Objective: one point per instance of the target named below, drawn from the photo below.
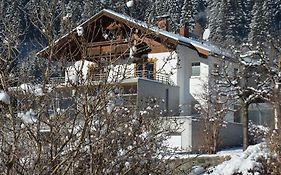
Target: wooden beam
(155, 46)
(202, 52)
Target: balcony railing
(163, 78)
(145, 74)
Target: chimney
(162, 22)
(198, 31)
(183, 31)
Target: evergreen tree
(139, 9)
(227, 24)
(91, 7)
(213, 17)
(157, 9)
(173, 8)
(261, 23)
(11, 34)
(247, 6)
(276, 19)
(188, 12)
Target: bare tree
(271, 66)
(216, 103)
(245, 83)
(10, 40)
(69, 115)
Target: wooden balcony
(115, 48)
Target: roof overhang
(170, 39)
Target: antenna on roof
(206, 34)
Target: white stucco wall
(117, 72)
(183, 135)
(190, 86)
(166, 64)
(191, 135)
(167, 95)
(120, 72)
(78, 71)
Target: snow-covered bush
(246, 163)
(4, 97)
(257, 133)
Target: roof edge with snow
(202, 47)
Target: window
(237, 114)
(195, 69)
(145, 70)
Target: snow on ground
(230, 152)
(241, 163)
(4, 97)
(226, 152)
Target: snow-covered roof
(181, 39)
(210, 48)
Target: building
(147, 61)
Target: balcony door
(146, 69)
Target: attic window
(195, 69)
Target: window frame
(142, 66)
(195, 65)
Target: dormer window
(195, 70)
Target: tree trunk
(276, 107)
(215, 141)
(276, 115)
(245, 121)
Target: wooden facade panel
(108, 49)
(123, 31)
(94, 51)
(105, 49)
(155, 46)
(121, 48)
(158, 49)
(202, 52)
